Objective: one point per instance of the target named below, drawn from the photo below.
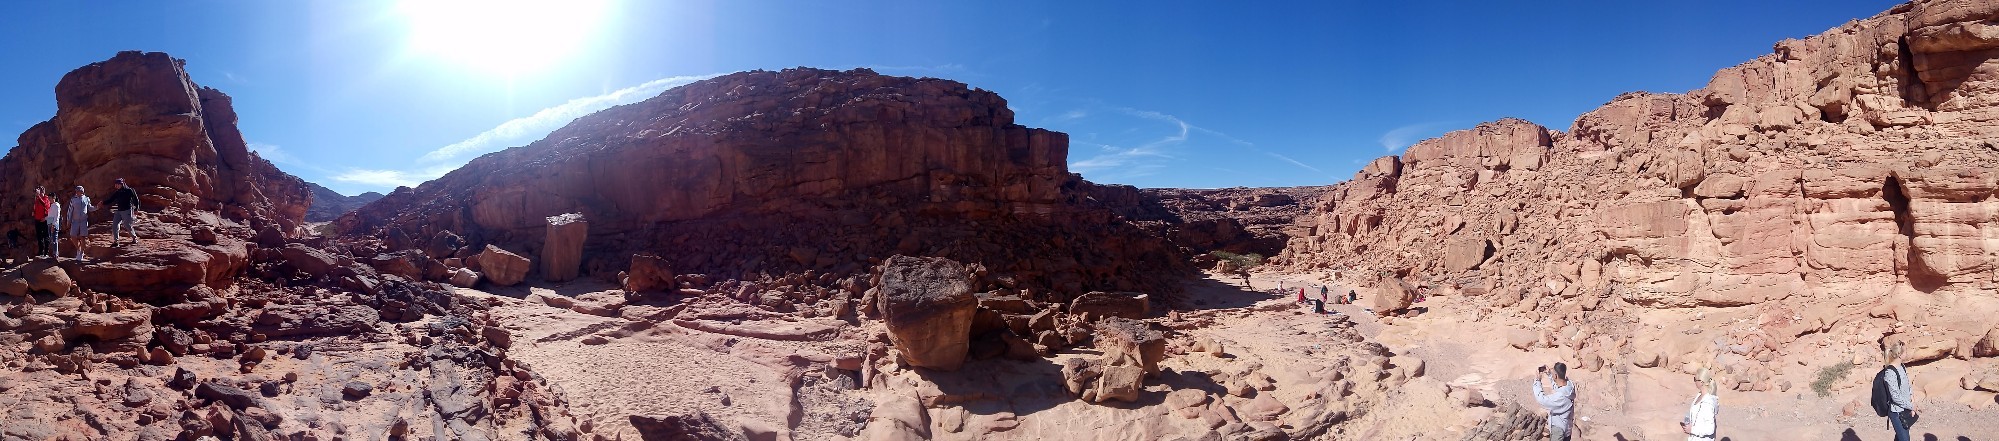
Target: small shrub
(1830, 375)
(1238, 264)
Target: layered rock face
(796, 171)
(137, 116)
(1812, 194)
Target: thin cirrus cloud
(523, 130)
(1402, 137)
(517, 131)
(1116, 162)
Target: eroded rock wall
(795, 171)
(1814, 193)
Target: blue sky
(362, 95)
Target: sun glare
(510, 37)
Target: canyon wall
(795, 171)
(1805, 204)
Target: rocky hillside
(220, 322)
(328, 205)
(803, 171)
(1237, 220)
(1799, 208)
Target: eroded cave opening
(1919, 275)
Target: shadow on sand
(1208, 293)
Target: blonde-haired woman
(1699, 422)
(1901, 406)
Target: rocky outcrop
(1820, 193)
(802, 170)
(95, 348)
(927, 304)
(328, 205)
(139, 117)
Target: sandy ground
(610, 368)
(1653, 400)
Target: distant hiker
(1699, 422)
(1301, 296)
(1318, 306)
(1352, 296)
(1892, 392)
(122, 202)
(1322, 293)
(1555, 393)
(41, 214)
(79, 220)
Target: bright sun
(510, 37)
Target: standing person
(1555, 393)
(54, 220)
(79, 220)
(42, 202)
(1699, 422)
(1894, 378)
(123, 202)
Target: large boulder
(1391, 294)
(927, 303)
(502, 267)
(562, 251)
(1131, 350)
(1099, 304)
(648, 273)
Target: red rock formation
(198, 284)
(795, 171)
(138, 116)
(1845, 172)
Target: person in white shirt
(1699, 422)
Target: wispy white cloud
(1402, 137)
(273, 153)
(1146, 159)
(392, 178)
(523, 130)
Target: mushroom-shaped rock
(928, 305)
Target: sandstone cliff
(137, 116)
(1799, 207)
(796, 171)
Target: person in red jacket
(42, 202)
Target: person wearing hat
(79, 220)
(122, 203)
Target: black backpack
(1881, 399)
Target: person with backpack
(1699, 422)
(1554, 392)
(1892, 391)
